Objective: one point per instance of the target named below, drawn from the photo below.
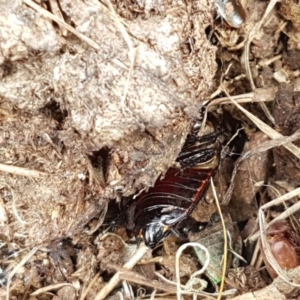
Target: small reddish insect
(283, 247)
(157, 213)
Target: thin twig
(116, 278)
(57, 12)
(86, 291)
(224, 236)
(255, 254)
(61, 22)
(140, 280)
(21, 171)
(17, 267)
(245, 55)
(249, 39)
(264, 127)
(52, 287)
(259, 95)
(291, 210)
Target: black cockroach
(156, 213)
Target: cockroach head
(153, 233)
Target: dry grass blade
(17, 267)
(250, 37)
(292, 148)
(21, 171)
(256, 259)
(57, 12)
(142, 281)
(61, 22)
(245, 56)
(86, 291)
(225, 239)
(264, 127)
(285, 214)
(259, 95)
(52, 287)
(116, 278)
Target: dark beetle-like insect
(157, 213)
